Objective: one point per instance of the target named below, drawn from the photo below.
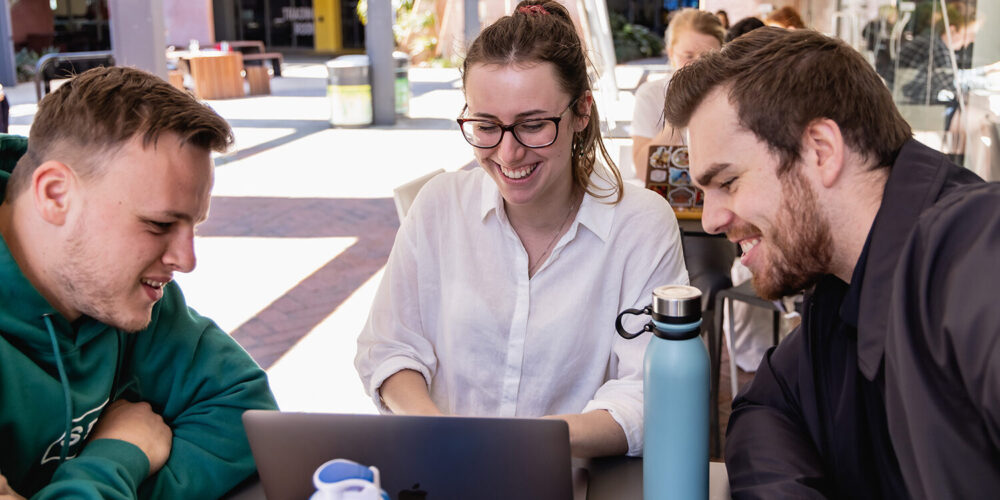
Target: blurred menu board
(668, 175)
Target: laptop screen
(417, 457)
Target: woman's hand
(594, 434)
(406, 393)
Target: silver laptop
(433, 458)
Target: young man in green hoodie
(110, 386)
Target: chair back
(404, 195)
(61, 65)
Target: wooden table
(216, 75)
(609, 478)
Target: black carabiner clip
(621, 329)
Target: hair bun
(533, 9)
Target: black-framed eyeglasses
(530, 133)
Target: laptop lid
(419, 457)
(669, 175)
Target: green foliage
(26, 59)
(633, 41)
(413, 31)
(361, 9)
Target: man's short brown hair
(100, 110)
(782, 80)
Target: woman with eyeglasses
(690, 34)
(501, 291)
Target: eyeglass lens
(532, 133)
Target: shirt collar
(849, 309)
(596, 214)
(915, 182)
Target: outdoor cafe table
(215, 74)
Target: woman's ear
(51, 186)
(583, 106)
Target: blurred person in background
(786, 17)
(877, 34)
(723, 18)
(934, 81)
(745, 25)
(690, 34)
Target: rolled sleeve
(388, 368)
(393, 337)
(622, 394)
(622, 398)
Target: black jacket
(890, 388)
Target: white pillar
(138, 35)
(471, 9)
(379, 44)
(8, 73)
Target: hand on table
(6, 493)
(138, 424)
(594, 434)
(405, 393)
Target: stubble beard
(801, 244)
(85, 290)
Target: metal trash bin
(401, 62)
(349, 88)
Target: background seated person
(931, 52)
(691, 33)
(890, 388)
(786, 17)
(110, 386)
(743, 26)
(502, 288)
(935, 81)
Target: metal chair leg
(732, 352)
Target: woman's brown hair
(543, 31)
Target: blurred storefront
(60, 25)
(328, 26)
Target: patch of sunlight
(248, 137)
(317, 374)
(236, 278)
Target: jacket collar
(22, 307)
(915, 182)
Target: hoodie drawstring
(65, 386)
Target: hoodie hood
(21, 306)
(11, 149)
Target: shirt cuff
(628, 418)
(390, 367)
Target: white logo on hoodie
(78, 434)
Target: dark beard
(804, 247)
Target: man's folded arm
(201, 382)
(769, 452)
(106, 469)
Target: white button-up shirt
(456, 305)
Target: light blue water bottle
(675, 388)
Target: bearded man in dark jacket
(890, 388)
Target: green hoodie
(193, 374)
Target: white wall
(188, 19)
